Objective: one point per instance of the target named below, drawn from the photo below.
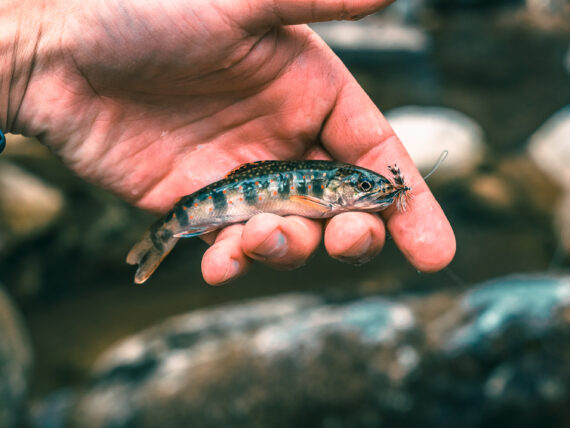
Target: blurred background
(485, 342)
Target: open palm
(154, 100)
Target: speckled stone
(497, 354)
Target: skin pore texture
(154, 100)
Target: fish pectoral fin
(312, 202)
(194, 231)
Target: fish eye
(365, 185)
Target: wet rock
(549, 147)
(532, 304)
(497, 355)
(428, 131)
(15, 364)
(281, 360)
(28, 205)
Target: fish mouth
(377, 199)
(380, 200)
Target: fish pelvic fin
(312, 202)
(147, 255)
(194, 231)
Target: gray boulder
(270, 361)
(495, 355)
(428, 131)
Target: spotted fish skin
(310, 188)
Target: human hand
(154, 100)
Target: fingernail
(357, 17)
(358, 253)
(232, 269)
(275, 246)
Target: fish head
(365, 190)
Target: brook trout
(309, 188)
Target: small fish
(310, 188)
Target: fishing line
(454, 277)
(439, 161)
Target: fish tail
(147, 254)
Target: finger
(225, 260)
(355, 237)
(356, 132)
(285, 242)
(316, 152)
(290, 12)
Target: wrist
(21, 25)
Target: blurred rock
(500, 358)
(494, 193)
(470, 4)
(532, 303)
(428, 131)
(58, 231)
(15, 364)
(374, 39)
(562, 222)
(547, 16)
(28, 205)
(547, 6)
(530, 189)
(280, 360)
(497, 356)
(18, 145)
(549, 147)
(52, 411)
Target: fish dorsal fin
(248, 166)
